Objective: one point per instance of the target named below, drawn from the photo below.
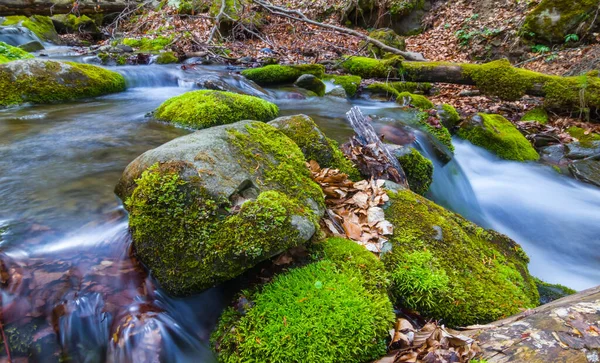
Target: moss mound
(418, 101)
(70, 23)
(167, 58)
(148, 44)
(580, 134)
(394, 89)
(41, 26)
(498, 135)
(39, 81)
(418, 170)
(323, 312)
(277, 74)
(537, 114)
(314, 144)
(448, 268)
(371, 68)
(206, 108)
(350, 84)
(9, 53)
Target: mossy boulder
(498, 135)
(41, 26)
(314, 144)
(32, 46)
(418, 101)
(311, 83)
(167, 58)
(448, 268)
(418, 170)
(38, 81)
(371, 68)
(403, 16)
(552, 20)
(350, 84)
(537, 114)
(148, 44)
(433, 127)
(205, 207)
(207, 108)
(334, 310)
(386, 36)
(279, 74)
(9, 53)
(448, 116)
(70, 23)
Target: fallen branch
(215, 27)
(299, 16)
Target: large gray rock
(207, 206)
(587, 171)
(311, 83)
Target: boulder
(314, 144)
(587, 171)
(498, 135)
(448, 268)
(41, 26)
(71, 23)
(39, 81)
(340, 301)
(418, 170)
(278, 74)
(214, 82)
(9, 53)
(32, 46)
(205, 207)
(350, 84)
(311, 83)
(206, 108)
(167, 58)
(338, 92)
(386, 36)
(582, 150)
(565, 330)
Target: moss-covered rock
(148, 44)
(419, 101)
(9, 53)
(448, 268)
(550, 292)
(314, 144)
(311, 83)
(41, 26)
(498, 135)
(388, 37)
(585, 139)
(371, 68)
(167, 58)
(403, 16)
(206, 108)
(448, 115)
(70, 23)
(350, 84)
(205, 207)
(278, 74)
(38, 81)
(552, 20)
(537, 114)
(437, 130)
(418, 170)
(328, 311)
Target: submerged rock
(311, 83)
(207, 206)
(448, 268)
(38, 81)
(498, 135)
(206, 108)
(334, 310)
(278, 74)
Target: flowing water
(64, 240)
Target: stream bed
(63, 229)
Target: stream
(63, 229)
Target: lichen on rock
(206, 108)
(278, 74)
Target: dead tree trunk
(51, 7)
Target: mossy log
(562, 94)
(51, 7)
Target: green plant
(574, 38)
(539, 48)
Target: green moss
(206, 108)
(448, 268)
(21, 339)
(316, 146)
(49, 82)
(147, 44)
(404, 7)
(499, 78)
(418, 170)
(277, 74)
(387, 37)
(9, 53)
(585, 139)
(550, 292)
(371, 68)
(121, 60)
(418, 101)
(41, 26)
(75, 23)
(166, 58)
(449, 115)
(537, 114)
(317, 313)
(440, 132)
(395, 88)
(350, 84)
(500, 136)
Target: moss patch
(387, 37)
(500, 136)
(41, 26)
(206, 108)
(418, 170)
(9, 53)
(449, 116)
(440, 132)
(418, 101)
(580, 134)
(537, 114)
(350, 84)
(449, 268)
(371, 68)
(278, 74)
(48, 81)
(393, 89)
(317, 313)
(148, 44)
(74, 23)
(166, 58)
(550, 292)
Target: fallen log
(51, 7)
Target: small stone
(375, 215)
